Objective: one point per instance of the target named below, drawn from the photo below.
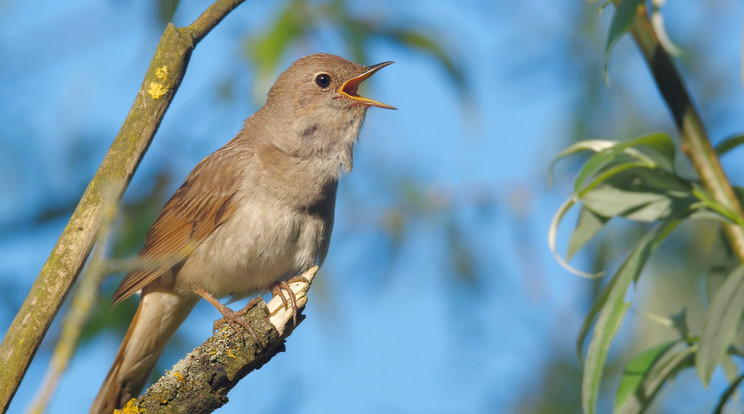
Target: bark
(199, 383)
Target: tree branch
(161, 82)
(199, 383)
(695, 142)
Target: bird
(249, 216)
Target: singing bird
(251, 215)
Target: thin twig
(82, 302)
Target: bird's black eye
(323, 80)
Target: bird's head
(324, 81)
(317, 99)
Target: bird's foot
(299, 278)
(232, 318)
(276, 290)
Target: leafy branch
(637, 180)
(695, 142)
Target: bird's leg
(276, 289)
(248, 306)
(232, 318)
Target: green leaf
(646, 374)
(641, 193)
(659, 142)
(636, 370)
(730, 369)
(662, 155)
(596, 163)
(621, 21)
(552, 233)
(590, 316)
(609, 172)
(612, 308)
(729, 143)
(594, 145)
(607, 326)
(720, 324)
(727, 394)
(601, 301)
(587, 226)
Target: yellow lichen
(131, 407)
(162, 73)
(156, 90)
(178, 376)
(230, 354)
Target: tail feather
(158, 316)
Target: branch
(161, 82)
(695, 142)
(199, 383)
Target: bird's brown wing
(203, 202)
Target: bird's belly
(255, 248)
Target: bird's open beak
(350, 87)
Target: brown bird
(251, 215)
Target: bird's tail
(158, 316)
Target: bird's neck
(322, 142)
(295, 181)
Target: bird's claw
(276, 290)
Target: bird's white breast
(262, 243)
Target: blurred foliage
(637, 180)
(415, 209)
(300, 19)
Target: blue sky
(388, 334)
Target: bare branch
(66, 260)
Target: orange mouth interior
(350, 88)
